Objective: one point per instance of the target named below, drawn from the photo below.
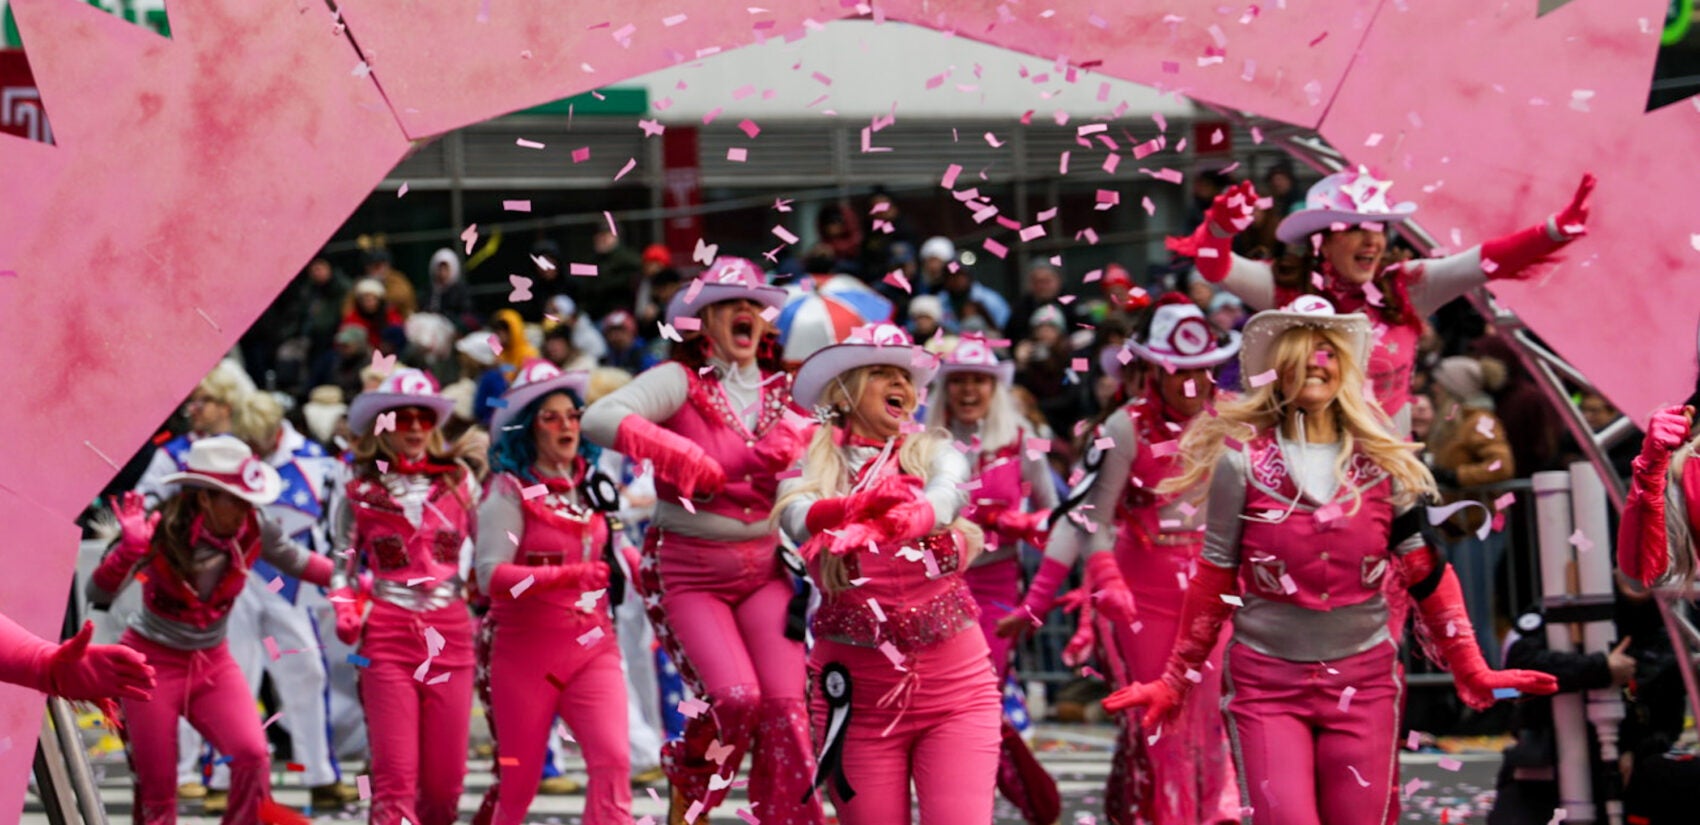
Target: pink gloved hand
(1516, 255)
(677, 459)
(584, 576)
(1229, 214)
(1041, 594)
(863, 505)
(1160, 699)
(1449, 630)
(1643, 550)
(348, 605)
(78, 670)
(1110, 595)
(1078, 651)
(1202, 613)
(137, 526)
(1572, 220)
(1028, 527)
(133, 517)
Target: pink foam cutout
(193, 177)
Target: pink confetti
(1346, 695)
(271, 648)
(750, 128)
(276, 584)
(363, 784)
(398, 193)
(590, 637)
(686, 503)
(1362, 782)
(516, 206)
(893, 655)
(470, 237)
(631, 163)
(692, 708)
(784, 234)
(950, 174)
(1263, 378)
(522, 586)
(1449, 764)
(581, 154)
(527, 144)
(995, 248)
(737, 154)
(1031, 232)
(1413, 741)
(1581, 542)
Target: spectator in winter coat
(625, 349)
(450, 296)
(398, 288)
(369, 310)
(1044, 287)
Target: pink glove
(77, 670)
(863, 505)
(1642, 546)
(907, 521)
(1109, 590)
(1028, 527)
(1229, 214)
(1514, 255)
(584, 576)
(778, 451)
(1041, 595)
(1449, 630)
(677, 459)
(1078, 651)
(137, 526)
(74, 669)
(349, 606)
(1202, 613)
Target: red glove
(778, 451)
(907, 521)
(862, 505)
(1109, 590)
(137, 525)
(1514, 254)
(583, 576)
(677, 459)
(349, 606)
(1642, 547)
(1202, 613)
(1041, 594)
(1028, 527)
(1229, 214)
(1450, 632)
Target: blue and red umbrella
(822, 312)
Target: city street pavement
(1077, 755)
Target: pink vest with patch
(394, 548)
(1318, 558)
(555, 534)
(168, 596)
(707, 419)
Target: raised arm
(292, 558)
(1651, 538)
(628, 422)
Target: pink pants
(1306, 755)
(996, 587)
(721, 616)
(417, 730)
(945, 737)
(1186, 776)
(206, 687)
(537, 671)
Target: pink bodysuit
(408, 530)
(924, 703)
(548, 648)
(181, 630)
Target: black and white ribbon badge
(835, 686)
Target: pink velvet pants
(938, 728)
(1307, 752)
(1186, 776)
(207, 688)
(538, 670)
(719, 609)
(417, 728)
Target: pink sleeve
(23, 656)
(1642, 546)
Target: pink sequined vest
(555, 534)
(168, 596)
(707, 419)
(1319, 558)
(398, 551)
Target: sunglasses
(558, 420)
(409, 419)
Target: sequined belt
(437, 595)
(908, 628)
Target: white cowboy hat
(1182, 338)
(1346, 198)
(403, 388)
(1312, 311)
(535, 380)
(725, 280)
(867, 346)
(223, 462)
(973, 354)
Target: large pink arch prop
(194, 176)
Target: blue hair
(513, 450)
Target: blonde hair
(256, 419)
(226, 384)
(604, 380)
(1364, 427)
(826, 473)
(997, 429)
